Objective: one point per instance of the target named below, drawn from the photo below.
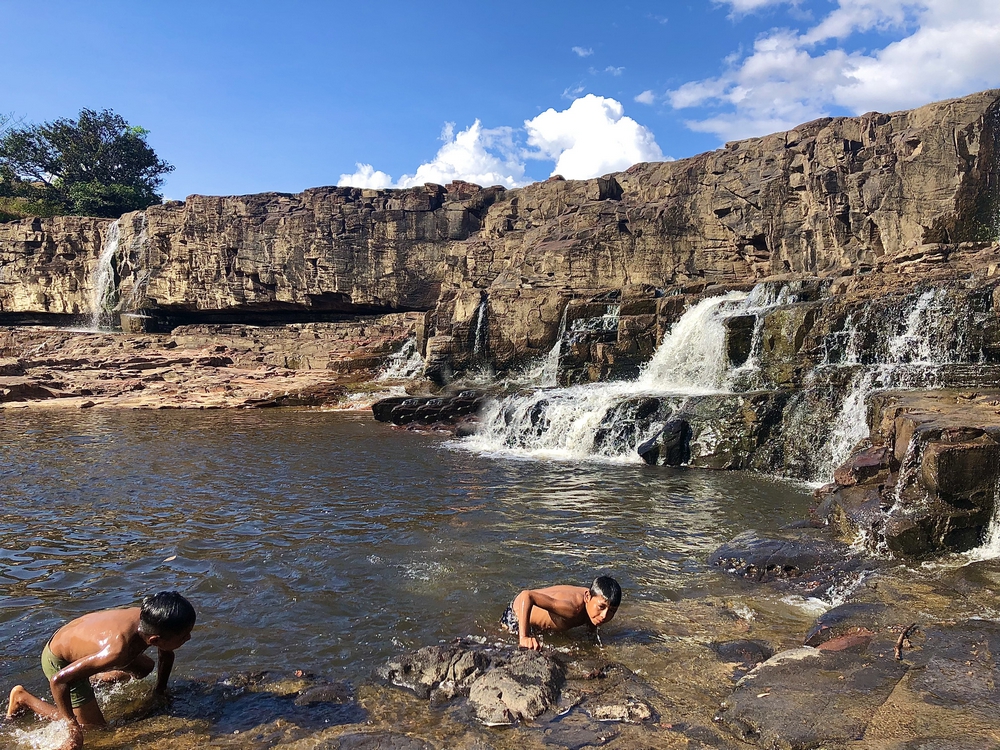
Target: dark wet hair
(608, 588)
(166, 613)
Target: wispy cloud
(741, 7)
(614, 71)
(942, 48)
(583, 51)
(646, 97)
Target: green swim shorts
(80, 691)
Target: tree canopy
(96, 165)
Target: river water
(327, 542)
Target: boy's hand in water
(530, 642)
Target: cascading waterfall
(990, 548)
(763, 297)
(479, 338)
(606, 322)
(910, 359)
(544, 372)
(564, 422)
(103, 291)
(405, 364)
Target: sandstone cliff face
(328, 250)
(46, 266)
(832, 196)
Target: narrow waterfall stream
(909, 359)
(103, 291)
(404, 364)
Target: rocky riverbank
(907, 661)
(330, 365)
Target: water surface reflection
(327, 541)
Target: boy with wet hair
(559, 608)
(105, 647)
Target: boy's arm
(523, 603)
(81, 669)
(165, 663)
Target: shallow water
(325, 541)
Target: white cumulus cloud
(485, 156)
(583, 51)
(936, 49)
(590, 138)
(646, 97)
(366, 176)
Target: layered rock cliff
(846, 224)
(834, 196)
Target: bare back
(114, 632)
(557, 608)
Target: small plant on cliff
(96, 165)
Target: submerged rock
(806, 698)
(850, 618)
(814, 565)
(743, 652)
(429, 410)
(374, 741)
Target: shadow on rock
(261, 708)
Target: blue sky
(245, 97)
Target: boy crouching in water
(107, 646)
(559, 608)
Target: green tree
(96, 165)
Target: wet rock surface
(520, 689)
(866, 697)
(503, 686)
(439, 673)
(812, 565)
(805, 697)
(441, 411)
(928, 484)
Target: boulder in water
(437, 673)
(813, 565)
(520, 690)
(671, 446)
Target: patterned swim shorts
(509, 620)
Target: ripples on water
(327, 541)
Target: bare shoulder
(111, 629)
(563, 593)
